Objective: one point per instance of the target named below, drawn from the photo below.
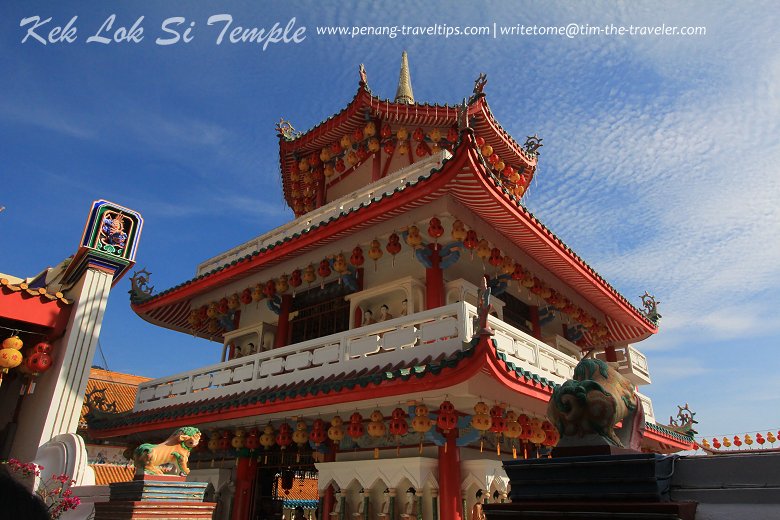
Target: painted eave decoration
(109, 241)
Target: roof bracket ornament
(97, 401)
(286, 131)
(479, 85)
(463, 115)
(651, 308)
(140, 290)
(532, 144)
(684, 422)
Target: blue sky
(659, 164)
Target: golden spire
(404, 93)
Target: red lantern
(386, 131)
(355, 428)
(38, 362)
(393, 245)
(222, 306)
(447, 419)
(295, 279)
(389, 147)
(246, 296)
(225, 441)
(435, 229)
(284, 436)
(418, 134)
(362, 153)
(340, 167)
(270, 289)
(497, 420)
(480, 141)
(452, 134)
(253, 439)
(357, 135)
(318, 433)
(335, 148)
(471, 241)
(398, 424)
(495, 258)
(357, 259)
(421, 150)
(324, 269)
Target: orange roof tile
(106, 474)
(120, 388)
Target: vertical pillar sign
(106, 251)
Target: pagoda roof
(365, 105)
(464, 176)
(118, 388)
(480, 356)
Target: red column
(449, 479)
(283, 327)
(535, 321)
(609, 353)
(245, 473)
(434, 280)
(328, 503)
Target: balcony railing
(438, 331)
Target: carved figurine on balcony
(368, 318)
(384, 313)
(410, 509)
(149, 458)
(586, 409)
(476, 512)
(404, 308)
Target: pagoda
(351, 351)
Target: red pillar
(245, 473)
(449, 479)
(283, 327)
(434, 280)
(537, 328)
(327, 503)
(609, 353)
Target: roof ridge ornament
(532, 144)
(363, 76)
(404, 92)
(463, 115)
(479, 85)
(651, 307)
(285, 130)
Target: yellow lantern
(14, 342)
(375, 251)
(373, 145)
(413, 237)
(329, 170)
(10, 358)
(239, 436)
(508, 265)
(403, 148)
(336, 430)
(487, 150)
(346, 141)
(499, 165)
(282, 284)
(325, 155)
(369, 130)
(303, 165)
(748, 439)
(309, 274)
(537, 432)
(483, 249)
(459, 231)
(435, 135)
(402, 133)
(376, 427)
(352, 158)
(481, 421)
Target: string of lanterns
(745, 441)
(497, 424)
(504, 266)
(35, 361)
(308, 173)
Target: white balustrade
(443, 330)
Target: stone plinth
(627, 485)
(155, 498)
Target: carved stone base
(155, 497)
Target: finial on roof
(363, 76)
(404, 93)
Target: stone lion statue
(148, 458)
(586, 409)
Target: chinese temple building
(348, 342)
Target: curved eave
(353, 117)
(465, 177)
